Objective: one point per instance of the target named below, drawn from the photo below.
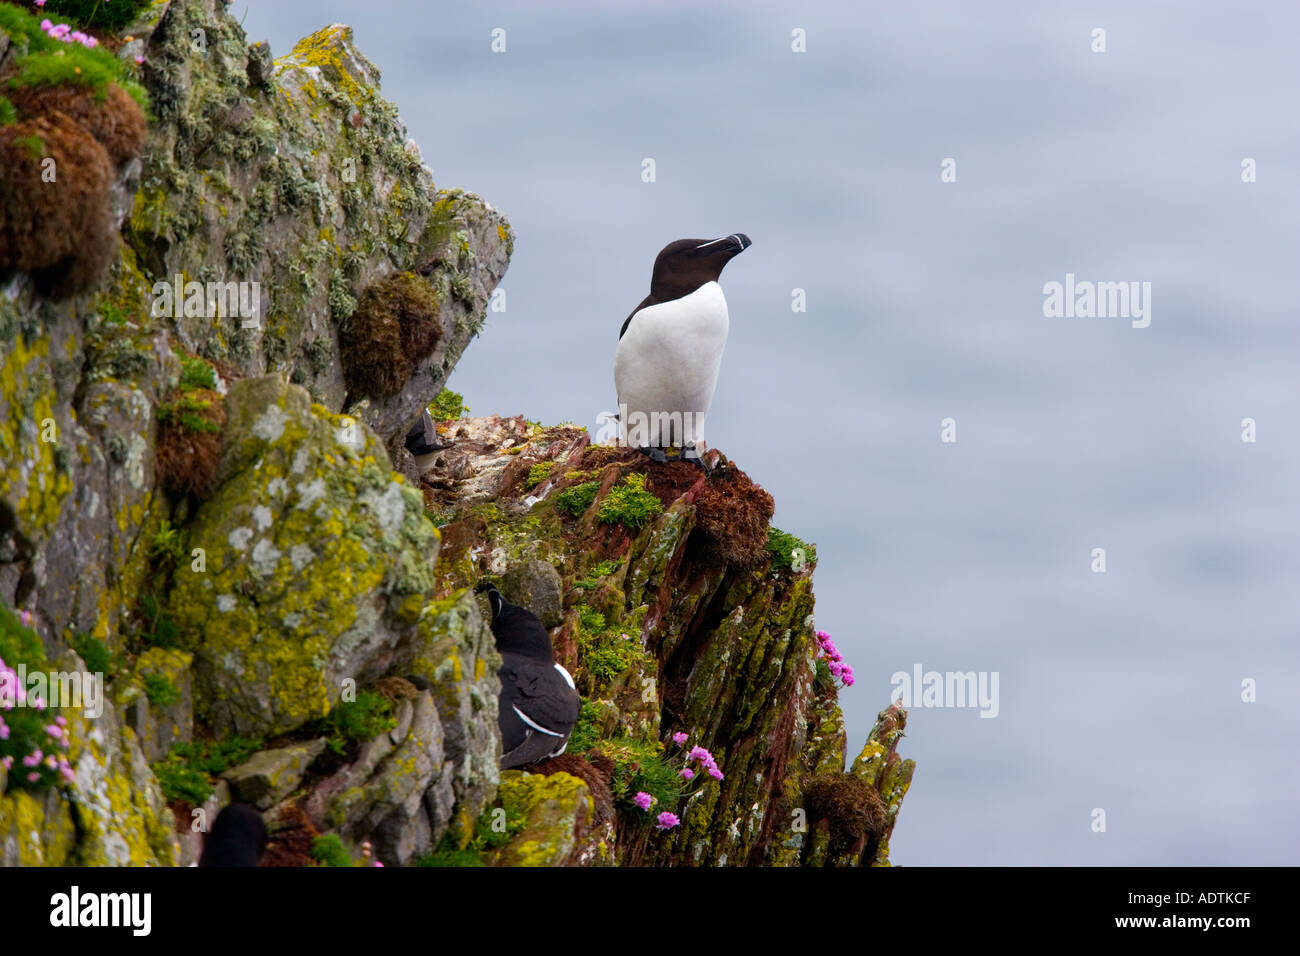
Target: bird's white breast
(668, 359)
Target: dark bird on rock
(237, 838)
(538, 704)
(423, 443)
(670, 348)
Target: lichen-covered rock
(558, 811)
(535, 585)
(293, 177)
(381, 796)
(299, 176)
(117, 805)
(317, 558)
(158, 724)
(35, 829)
(668, 626)
(269, 776)
(453, 649)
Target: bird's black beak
(741, 241)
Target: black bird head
(683, 266)
(517, 630)
(237, 838)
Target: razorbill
(538, 705)
(670, 347)
(422, 442)
(237, 838)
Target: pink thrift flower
(47, 26)
(67, 774)
(33, 758)
(667, 821)
(61, 720)
(39, 3)
(700, 754)
(33, 777)
(688, 773)
(680, 738)
(8, 762)
(55, 731)
(643, 800)
(376, 863)
(139, 60)
(715, 773)
(52, 762)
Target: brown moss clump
(111, 117)
(597, 782)
(850, 805)
(733, 514)
(393, 689)
(290, 839)
(189, 440)
(61, 232)
(395, 327)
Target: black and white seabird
(237, 838)
(670, 347)
(539, 704)
(422, 442)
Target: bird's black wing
(648, 300)
(534, 748)
(542, 697)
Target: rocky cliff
(219, 314)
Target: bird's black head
(517, 630)
(237, 838)
(683, 266)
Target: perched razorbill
(670, 347)
(538, 705)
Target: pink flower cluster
(55, 733)
(706, 764)
(834, 661)
(62, 31)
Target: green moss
(639, 766)
(167, 544)
(8, 115)
(328, 850)
(629, 504)
(160, 690)
(604, 653)
(587, 730)
(185, 412)
(538, 473)
(196, 373)
(99, 659)
(492, 830)
(105, 14)
(186, 772)
(782, 547)
(181, 782)
(447, 406)
(576, 500)
(19, 644)
(353, 722)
